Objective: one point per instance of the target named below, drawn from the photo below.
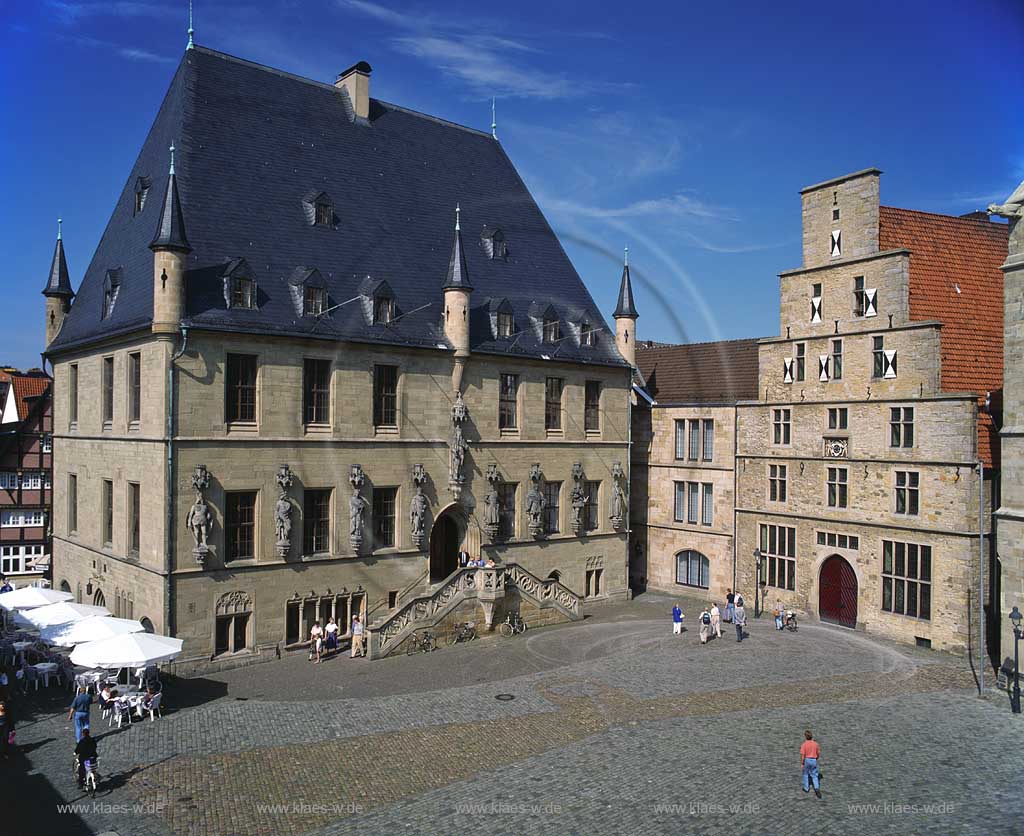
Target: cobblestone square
(614, 726)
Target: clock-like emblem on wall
(836, 448)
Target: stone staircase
(487, 586)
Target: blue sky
(683, 130)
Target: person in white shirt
(357, 638)
(316, 643)
(716, 621)
(331, 630)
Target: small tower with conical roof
(58, 290)
(457, 290)
(170, 249)
(626, 316)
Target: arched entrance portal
(837, 592)
(445, 537)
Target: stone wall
(855, 196)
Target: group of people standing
(325, 641)
(711, 618)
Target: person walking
(331, 636)
(810, 753)
(780, 614)
(730, 605)
(357, 638)
(316, 643)
(716, 621)
(677, 620)
(739, 618)
(705, 625)
(79, 712)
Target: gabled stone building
(334, 346)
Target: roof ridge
(993, 224)
(641, 347)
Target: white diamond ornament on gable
(870, 302)
(815, 309)
(824, 368)
(787, 370)
(836, 246)
(889, 364)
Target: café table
(46, 670)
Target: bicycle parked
(464, 632)
(418, 644)
(790, 621)
(92, 775)
(513, 624)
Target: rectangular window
(694, 452)
(858, 296)
(681, 439)
(508, 395)
(592, 406)
(801, 361)
(552, 493)
(837, 359)
(591, 517)
(707, 516)
(908, 493)
(107, 512)
(384, 517)
(781, 426)
(907, 579)
(594, 577)
(838, 417)
(242, 295)
(316, 391)
(588, 337)
(241, 388)
(18, 560)
(901, 426)
(240, 525)
(679, 510)
(841, 541)
(552, 331)
(709, 439)
(21, 519)
(313, 301)
(72, 503)
(778, 549)
(506, 324)
(73, 394)
(553, 403)
(507, 497)
(108, 390)
(693, 502)
(777, 482)
(385, 396)
(316, 521)
(878, 356)
(383, 310)
(837, 487)
(134, 387)
(134, 518)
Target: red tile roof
(716, 372)
(955, 278)
(25, 387)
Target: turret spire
(59, 222)
(170, 230)
(494, 120)
(625, 306)
(191, 31)
(58, 283)
(458, 274)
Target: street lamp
(1015, 619)
(757, 583)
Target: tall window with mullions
(385, 396)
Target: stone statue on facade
(199, 517)
(457, 447)
(618, 503)
(492, 503)
(1013, 207)
(535, 503)
(356, 507)
(283, 511)
(418, 507)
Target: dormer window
(142, 185)
(319, 209)
(588, 337)
(240, 288)
(383, 310)
(493, 240)
(506, 324)
(315, 298)
(324, 213)
(552, 329)
(111, 287)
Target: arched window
(98, 599)
(555, 576)
(147, 625)
(692, 569)
(65, 586)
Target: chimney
(356, 81)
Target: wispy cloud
(476, 54)
(679, 205)
(128, 53)
(69, 12)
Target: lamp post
(757, 582)
(1015, 619)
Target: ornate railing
(543, 592)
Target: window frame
(134, 519)
(681, 439)
(107, 390)
(72, 499)
(384, 510)
(239, 531)
(707, 439)
(551, 329)
(107, 513)
(780, 562)
(592, 406)
(901, 426)
(592, 510)
(314, 300)
(877, 357)
(506, 325)
(316, 527)
(508, 404)
(782, 427)
(778, 482)
(800, 358)
(134, 388)
(316, 391)
(838, 418)
(910, 490)
(693, 503)
(859, 297)
(554, 394)
(73, 395)
(679, 503)
(703, 569)
(552, 507)
(508, 493)
(385, 396)
(837, 481)
(239, 407)
(895, 577)
(243, 293)
(707, 503)
(836, 350)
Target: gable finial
(625, 257)
(59, 222)
(457, 211)
(494, 120)
(191, 31)
(172, 159)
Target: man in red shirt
(809, 754)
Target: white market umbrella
(94, 628)
(62, 613)
(132, 650)
(29, 597)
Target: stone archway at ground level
(837, 592)
(446, 537)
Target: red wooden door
(837, 592)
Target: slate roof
(947, 253)
(716, 372)
(58, 283)
(252, 142)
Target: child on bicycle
(85, 751)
